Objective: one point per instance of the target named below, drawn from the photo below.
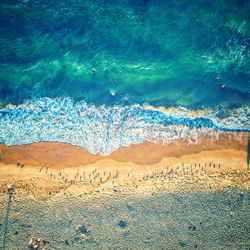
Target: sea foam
(102, 129)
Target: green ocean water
(171, 53)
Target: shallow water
(203, 220)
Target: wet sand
(62, 155)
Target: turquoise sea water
(119, 54)
(161, 52)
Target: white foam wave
(105, 129)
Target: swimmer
(112, 92)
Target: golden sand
(207, 170)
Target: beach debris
(36, 243)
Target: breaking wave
(102, 129)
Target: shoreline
(67, 155)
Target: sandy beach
(177, 192)
(46, 169)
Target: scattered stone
(182, 243)
(122, 224)
(84, 232)
(192, 228)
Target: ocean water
(79, 70)
(159, 52)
